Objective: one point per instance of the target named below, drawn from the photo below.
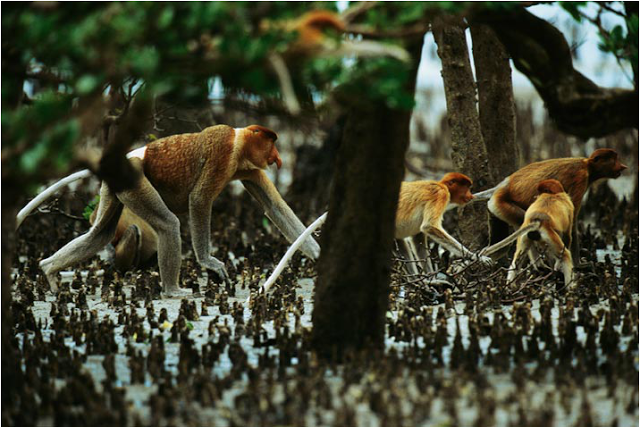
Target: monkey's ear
(603, 154)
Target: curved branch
(539, 50)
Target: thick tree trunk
(309, 191)
(496, 105)
(497, 112)
(11, 372)
(468, 150)
(352, 290)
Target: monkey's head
(312, 25)
(604, 163)
(260, 146)
(550, 186)
(459, 186)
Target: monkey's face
(604, 163)
(460, 193)
(260, 147)
(459, 186)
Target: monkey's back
(420, 201)
(174, 164)
(556, 209)
(521, 187)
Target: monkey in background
(553, 213)
(183, 173)
(509, 200)
(421, 206)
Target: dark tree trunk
(352, 290)
(312, 172)
(496, 105)
(468, 150)
(11, 372)
(354, 268)
(13, 75)
(497, 112)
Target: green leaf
(87, 84)
(88, 210)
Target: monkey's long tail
(292, 250)
(537, 218)
(40, 198)
(529, 229)
(485, 195)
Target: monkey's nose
(277, 161)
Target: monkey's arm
(200, 225)
(277, 210)
(447, 241)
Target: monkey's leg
(422, 253)
(144, 201)
(87, 245)
(504, 209)
(410, 257)
(561, 253)
(523, 245)
(128, 249)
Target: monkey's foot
(177, 293)
(52, 277)
(217, 267)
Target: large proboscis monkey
(421, 206)
(512, 197)
(185, 173)
(552, 212)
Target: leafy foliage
(69, 56)
(88, 210)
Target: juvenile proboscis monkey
(553, 213)
(512, 197)
(185, 173)
(421, 206)
(135, 242)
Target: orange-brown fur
(428, 200)
(553, 211)
(132, 252)
(183, 173)
(311, 27)
(421, 206)
(575, 174)
(513, 198)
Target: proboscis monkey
(313, 40)
(553, 213)
(421, 206)
(512, 197)
(185, 173)
(135, 242)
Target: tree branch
(539, 50)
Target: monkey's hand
(482, 259)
